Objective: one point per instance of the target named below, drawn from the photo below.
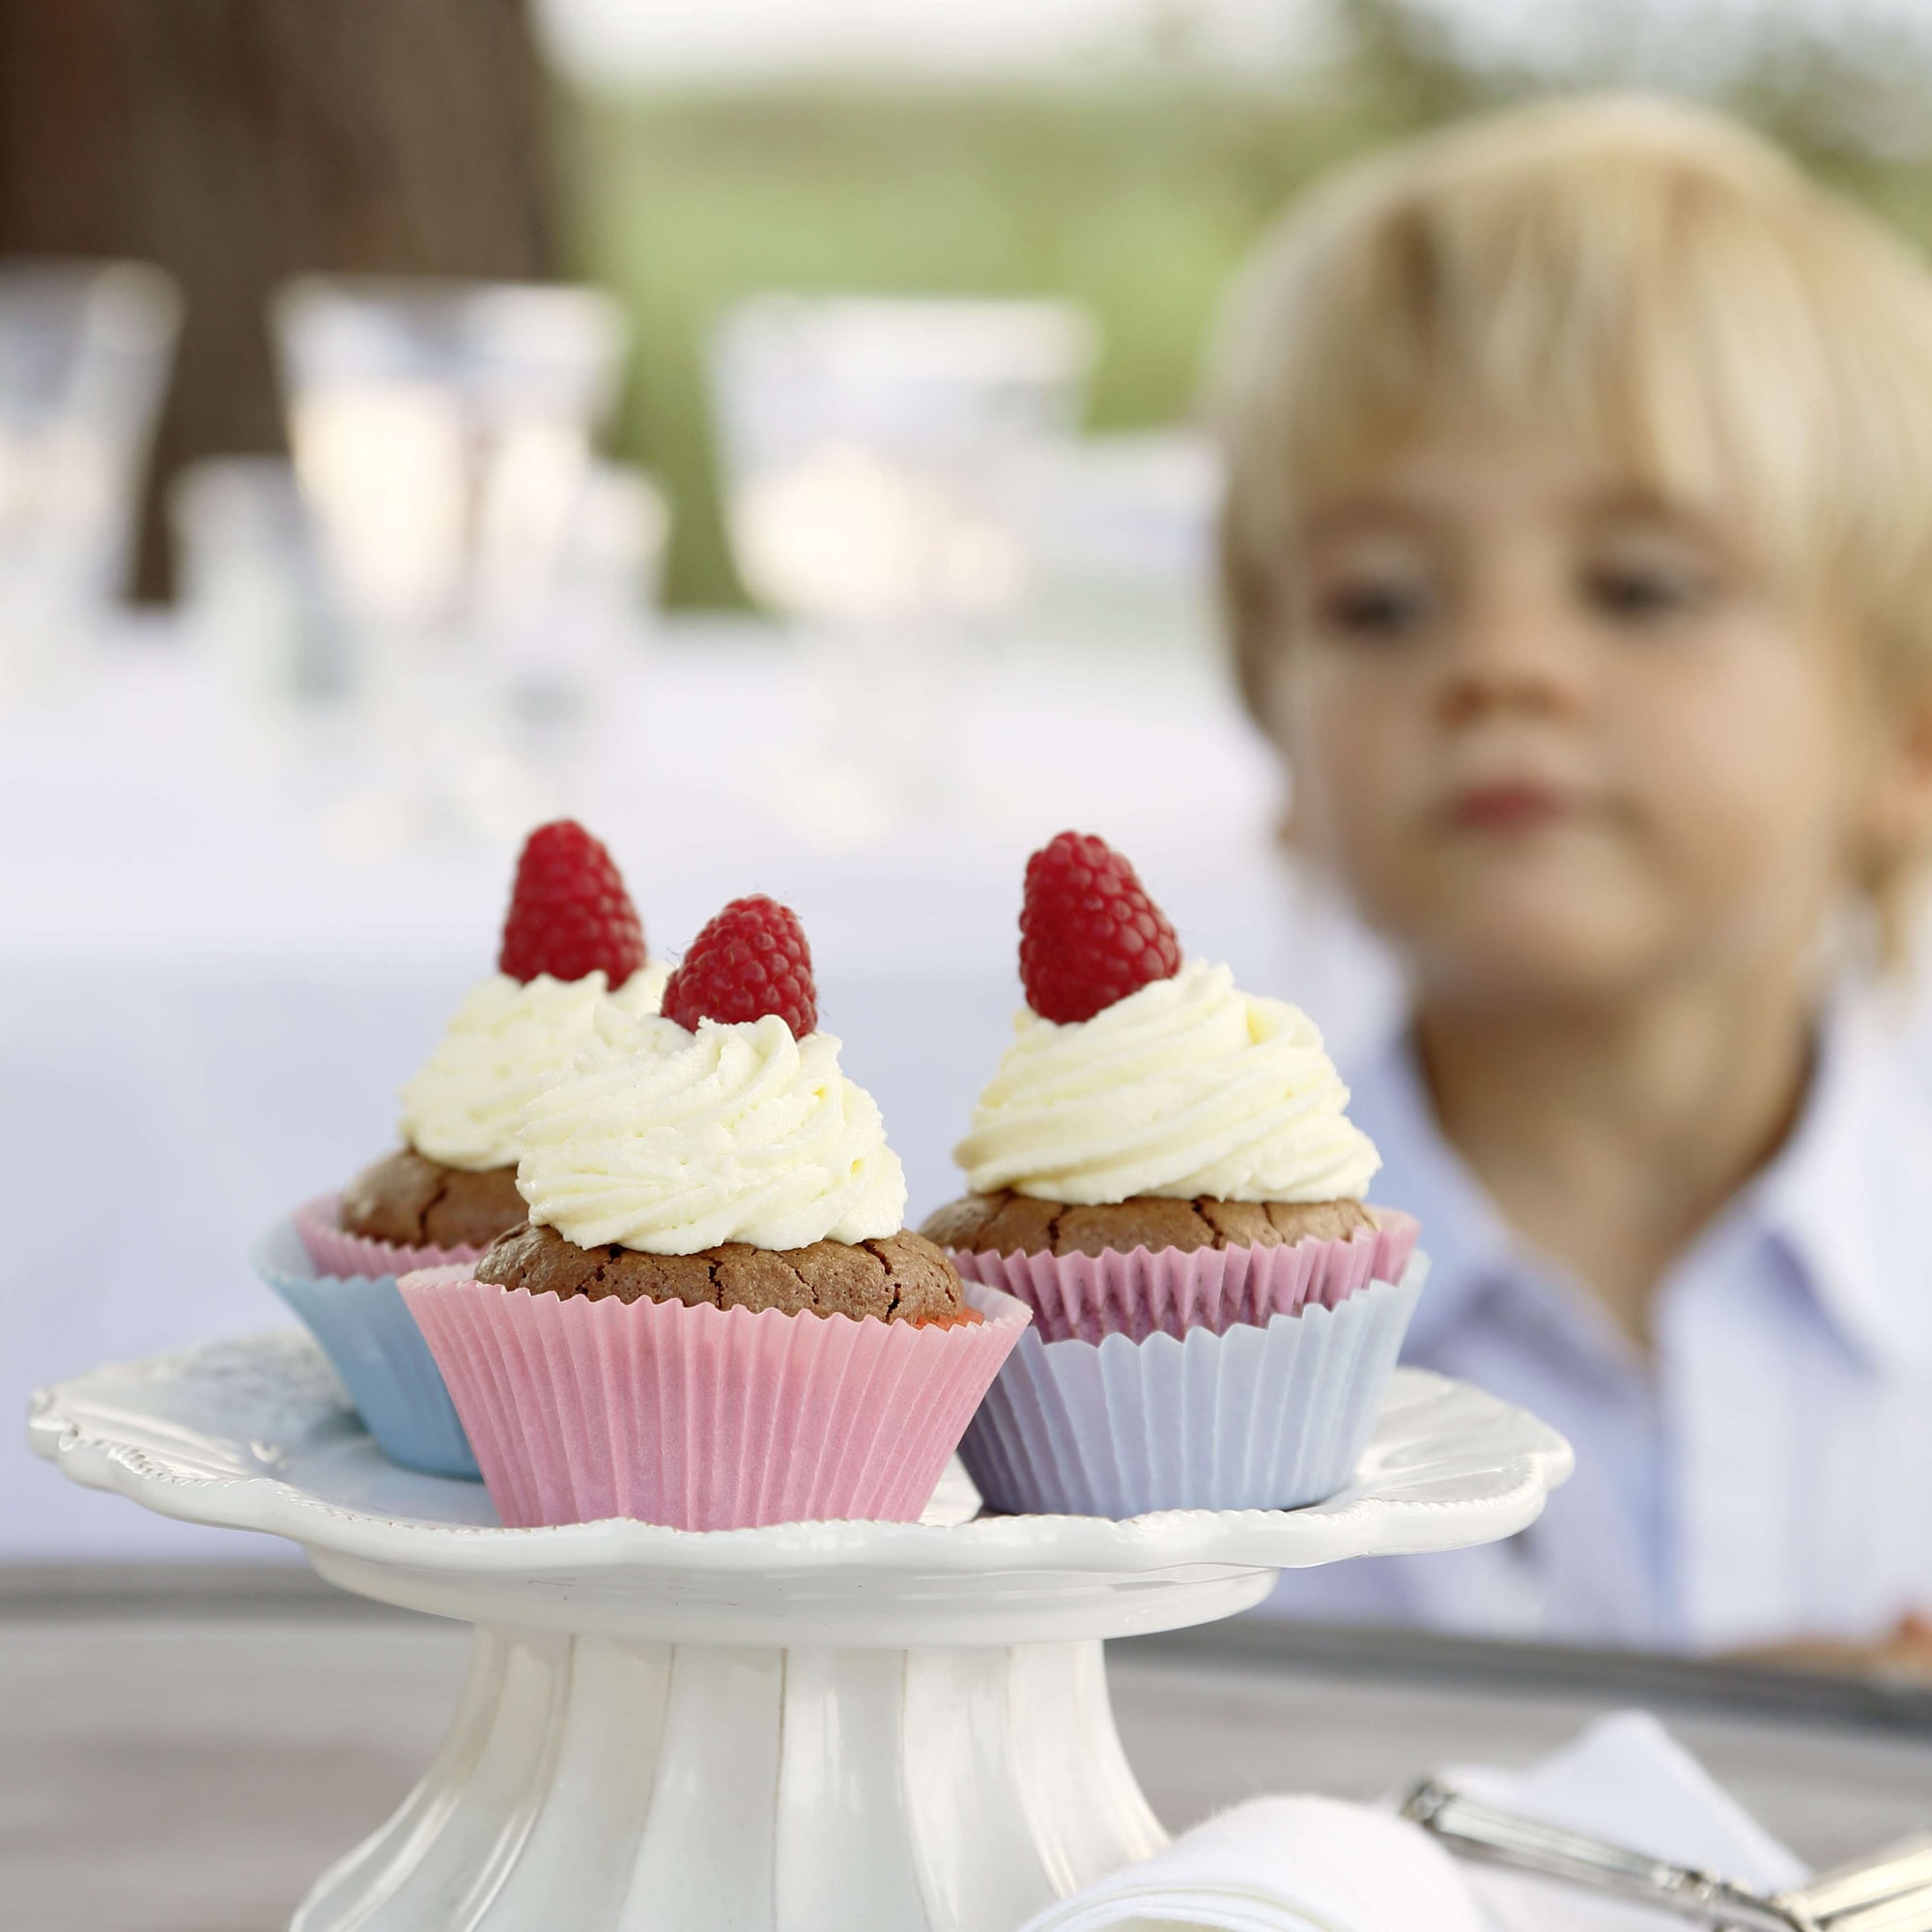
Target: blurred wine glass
(599, 610)
(872, 451)
(1123, 529)
(85, 350)
(255, 600)
(442, 434)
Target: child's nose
(1518, 654)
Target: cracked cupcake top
(901, 1278)
(1009, 1224)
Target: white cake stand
(843, 1726)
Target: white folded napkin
(1282, 1865)
(1316, 1864)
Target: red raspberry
(750, 960)
(1088, 934)
(569, 912)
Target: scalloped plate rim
(1533, 1460)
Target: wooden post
(236, 142)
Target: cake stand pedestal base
(595, 1783)
(811, 1727)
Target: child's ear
(1898, 799)
(1906, 793)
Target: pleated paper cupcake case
(1272, 1417)
(334, 1251)
(1175, 1291)
(375, 1347)
(704, 1418)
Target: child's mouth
(1509, 808)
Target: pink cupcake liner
(702, 1418)
(1171, 1291)
(335, 1252)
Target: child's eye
(1372, 608)
(1643, 594)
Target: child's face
(1558, 742)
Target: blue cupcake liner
(371, 1338)
(1253, 1418)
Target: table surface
(186, 1750)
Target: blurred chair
(85, 349)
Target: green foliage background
(1138, 199)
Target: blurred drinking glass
(85, 350)
(600, 612)
(442, 436)
(872, 450)
(255, 598)
(1123, 536)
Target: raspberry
(750, 960)
(569, 912)
(1088, 934)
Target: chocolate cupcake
(571, 942)
(1163, 1166)
(715, 1316)
(447, 1194)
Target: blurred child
(1579, 555)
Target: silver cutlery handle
(1478, 1830)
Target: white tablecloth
(206, 1007)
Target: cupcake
(571, 938)
(715, 1316)
(1163, 1169)
(572, 943)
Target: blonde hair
(1632, 276)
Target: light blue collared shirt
(1768, 1473)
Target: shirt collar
(1468, 1244)
(1843, 1198)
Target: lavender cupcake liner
(1255, 1418)
(372, 1342)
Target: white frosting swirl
(507, 1042)
(671, 1141)
(1186, 1086)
